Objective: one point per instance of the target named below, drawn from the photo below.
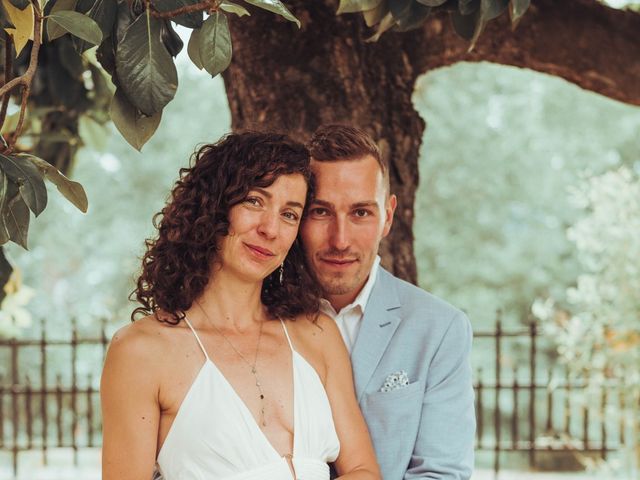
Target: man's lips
(260, 251)
(338, 262)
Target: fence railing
(43, 409)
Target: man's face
(346, 221)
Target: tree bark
(286, 79)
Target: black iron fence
(43, 408)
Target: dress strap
(287, 334)
(197, 338)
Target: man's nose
(268, 226)
(339, 235)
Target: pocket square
(395, 381)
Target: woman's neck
(229, 303)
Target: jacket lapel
(378, 326)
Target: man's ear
(389, 209)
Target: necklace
(252, 366)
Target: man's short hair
(331, 143)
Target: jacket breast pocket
(393, 419)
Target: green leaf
(21, 4)
(230, 7)
(517, 10)
(78, 24)
(4, 186)
(408, 14)
(464, 25)
(145, 69)
(496, 8)
(170, 38)
(193, 48)
(215, 44)
(467, 7)
(482, 17)
(190, 20)
(135, 127)
(375, 15)
(29, 181)
(432, 3)
(351, 6)
(104, 13)
(53, 29)
(16, 216)
(385, 24)
(276, 6)
(72, 191)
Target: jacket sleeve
(445, 440)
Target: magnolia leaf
(464, 25)
(53, 29)
(72, 191)
(517, 10)
(193, 48)
(351, 6)
(189, 20)
(4, 186)
(496, 8)
(385, 24)
(375, 15)
(215, 44)
(104, 13)
(413, 18)
(15, 214)
(21, 4)
(467, 7)
(23, 24)
(482, 17)
(135, 127)
(432, 3)
(145, 69)
(29, 180)
(170, 38)
(276, 6)
(78, 24)
(233, 8)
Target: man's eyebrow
(366, 204)
(267, 194)
(322, 203)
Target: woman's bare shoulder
(318, 331)
(140, 339)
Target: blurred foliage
(498, 159)
(596, 323)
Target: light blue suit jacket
(426, 429)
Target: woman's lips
(259, 252)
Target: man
(409, 349)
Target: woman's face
(263, 227)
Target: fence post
(43, 389)
(532, 395)
(497, 416)
(14, 402)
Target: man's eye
(319, 212)
(361, 213)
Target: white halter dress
(214, 436)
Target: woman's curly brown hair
(177, 264)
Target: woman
(232, 374)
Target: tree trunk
(286, 79)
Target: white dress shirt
(349, 318)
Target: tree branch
(25, 79)
(8, 70)
(583, 41)
(209, 5)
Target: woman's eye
(291, 216)
(252, 201)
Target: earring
(281, 273)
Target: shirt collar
(362, 298)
